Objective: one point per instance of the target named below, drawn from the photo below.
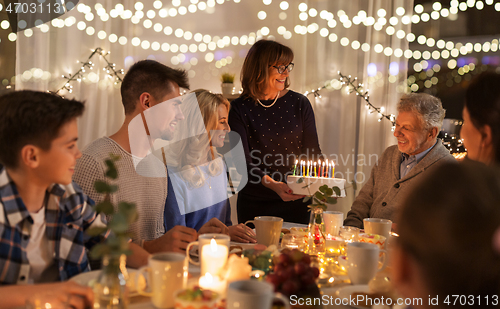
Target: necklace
(266, 106)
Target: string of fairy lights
(451, 141)
(354, 86)
(204, 42)
(110, 69)
(400, 17)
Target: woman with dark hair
(481, 128)
(481, 115)
(276, 126)
(445, 243)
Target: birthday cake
(309, 185)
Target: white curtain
(345, 129)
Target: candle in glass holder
(334, 245)
(257, 274)
(237, 268)
(213, 283)
(213, 258)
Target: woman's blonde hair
(189, 152)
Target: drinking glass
(292, 241)
(349, 233)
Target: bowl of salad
(196, 298)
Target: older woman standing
(276, 126)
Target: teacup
(251, 294)
(378, 226)
(363, 261)
(268, 229)
(167, 274)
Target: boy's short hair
(149, 76)
(32, 117)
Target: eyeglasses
(281, 69)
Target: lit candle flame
(208, 277)
(213, 245)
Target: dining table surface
(329, 293)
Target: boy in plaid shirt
(43, 214)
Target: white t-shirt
(40, 253)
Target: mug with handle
(268, 229)
(363, 261)
(165, 274)
(251, 294)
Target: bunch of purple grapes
(292, 272)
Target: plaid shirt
(68, 214)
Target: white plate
(347, 291)
(87, 279)
(245, 246)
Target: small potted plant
(111, 288)
(227, 85)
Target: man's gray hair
(429, 108)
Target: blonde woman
(197, 186)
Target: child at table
(43, 215)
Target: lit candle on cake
(213, 257)
(303, 168)
(295, 167)
(315, 175)
(308, 163)
(333, 169)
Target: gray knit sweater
(384, 192)
(148, 193)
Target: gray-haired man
(419, 120)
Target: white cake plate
(309, 185)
